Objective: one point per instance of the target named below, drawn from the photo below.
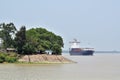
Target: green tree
(6, 34)
(20, 40)
(56, 49)
(28, 48)
(43, 40)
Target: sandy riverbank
(44, 58)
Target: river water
(97, 67)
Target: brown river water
(97, 67)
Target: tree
(20, 40)
(6, 34)
(56, 49)
(43, 40)
(28, 48)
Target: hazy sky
(94, 22)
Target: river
(97, 67)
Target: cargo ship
(76, 50)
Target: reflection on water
(97, 67)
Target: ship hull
(81, 52)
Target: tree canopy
(42, 40)
(6, 34)
(20, 40)
(35, 40)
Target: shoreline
(43, 59)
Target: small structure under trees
(11, 50)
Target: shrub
(10, 58)
(2, 57)
(1, 60)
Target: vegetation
(40, 39)
(20, 40)
(9, 57)
(32, 41)
(7, 32)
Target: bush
(1, 60)
(2, 57)
(10, 58)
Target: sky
(93, 22)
